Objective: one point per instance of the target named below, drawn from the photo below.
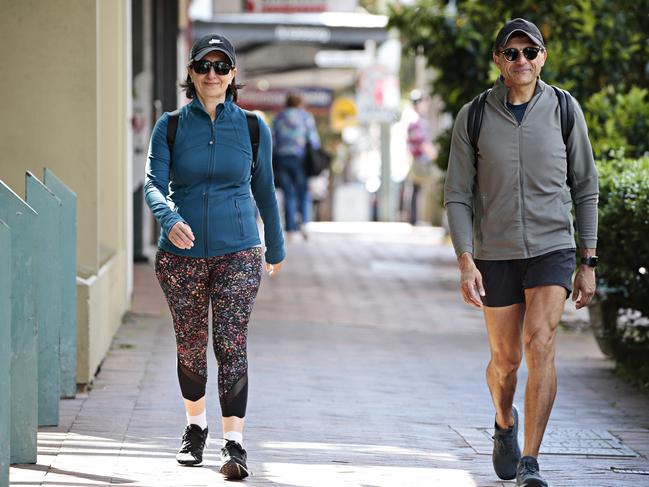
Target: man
(509, 211)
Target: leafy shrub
(623, 242)
(618, 120)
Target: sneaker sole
(534, 483)
(189, 463)
(233, 470)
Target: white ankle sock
(234, 436)
(200, 420)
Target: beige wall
(65, 89)
(49, 102)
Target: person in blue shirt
(203, 191)
(293, 128)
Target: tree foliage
(618, 120)
(624, 224)
(592, 44)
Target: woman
(293, 128)
(209, 249)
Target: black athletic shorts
(505, 281)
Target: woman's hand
(273, 269)
(181, 236)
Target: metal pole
(385, 193)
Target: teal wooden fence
(21, 218)
(67, 282)
(5, 352)
(47, 296)
(38, 321)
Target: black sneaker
(194, 442)
(506, 452)
(233, 461)
(527, 474)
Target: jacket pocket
(246, 217)
(220, 225)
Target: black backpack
(476, 111)
(253, 129)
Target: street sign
(343, 59)
(343, 114)
(377, 94)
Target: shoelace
(191, 440)
(506, 440)
(234, 447)
(529, 467)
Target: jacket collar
(227, 105)
(500, 89)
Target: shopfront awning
(281, 48)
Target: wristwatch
(590, 261)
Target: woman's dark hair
(190, 89)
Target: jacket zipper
(520, 176)
(206, 225)
(522, 191)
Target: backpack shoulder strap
(253, 130)
(172, 128)
(567, 109)
(474, 122)
(567, 114)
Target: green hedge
(618, 119)
(623, 240)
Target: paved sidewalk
(366, 369)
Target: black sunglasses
(220, 67)
(511, 53)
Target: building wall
(66, 105)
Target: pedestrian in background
(294, 128)
(509, 211)
(201, 192)
(421, 149)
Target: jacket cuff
(588, 243)
(275, 255)
(171, 221)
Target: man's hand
(470, 281)
(273, 269)
(584, 286)
(181, 236)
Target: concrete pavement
(366, 369)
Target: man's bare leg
(504, 331)
(544, 308)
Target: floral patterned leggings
(231, 283)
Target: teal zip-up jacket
(208, 183)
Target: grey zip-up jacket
(516, 203)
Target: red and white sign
(286, 6)
(317, 100)
(377, 94)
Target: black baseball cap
(210, 43)
(518, 25)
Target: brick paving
(366, 370)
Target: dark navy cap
(210, 43)
(518, 25)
